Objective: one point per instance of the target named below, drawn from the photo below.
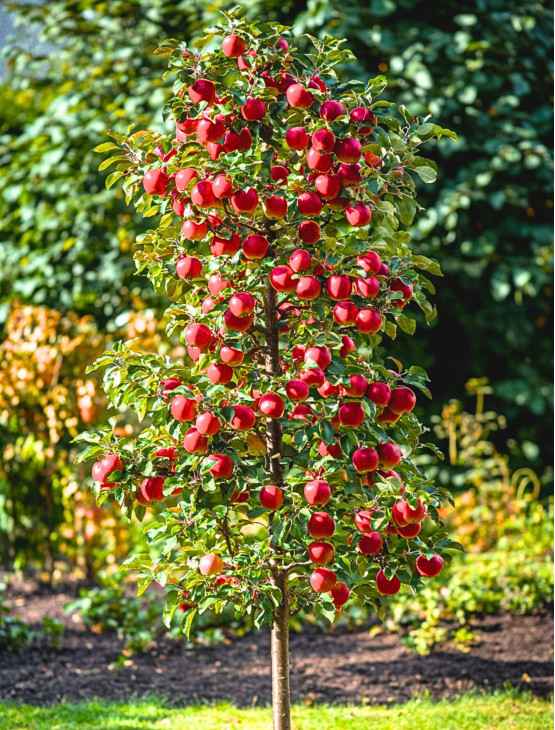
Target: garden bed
(339, 666)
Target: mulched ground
(339, 666)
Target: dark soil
(338, 666)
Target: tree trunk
(281, 700)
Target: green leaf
(426, 174)
(105, 147)
(407, 324)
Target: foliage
(14, 633)
(510, 710)
(198, 512)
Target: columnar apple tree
(278, 449)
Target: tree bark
(281, 698)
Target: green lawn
(500, 711)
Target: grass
(499, 711)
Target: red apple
(222, 186)
(309, 204)
(357, 386)
(309, 231)
(331, 110)
(429, 567)
(313, 376)
(365, 459)
(320, 524)
(340, 593)
(348, 149)
(363, 520)
(369, 321)
(281, 279)
(328, 185)
(298, 97)
(198, 335)
(409, 531)
(207, 424)
(209, 131)
(347, 346)
(271, 497)
(308, 288)
(155, 182)
(402, 400)
(271, 405)
(323, 140)
(183, 409)
(368, 288)
(297, 390)
(345, 313)
(219, 373)
(202, 90)
(328, 390)
(321, 552)
(275, 207)
(194, 442)
(333, 450)
(351, 415)
(211, 564)
(317, 492)
(184, 177)
(371, 262)
(237, 324)
(188, 267)
(225, 246)
(104, 467)
(318, 355)
(390, 454)
(370, 543)
(339, 287)
(300, 260)
(242, 304)
(318, 161)
(231, 355)
(379, 393)
(387, 587)
(194, 230)
(202, 194)
(151, 490)
(279, 173)
(233, 46)
(255, 246)
(358, 215)
(349, 174)
(222, 466)
(322, 580)
(297, 138)
(243, 418)
(244, 201)
(253, 110)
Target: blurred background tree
(481, 67)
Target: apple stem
(281, 696)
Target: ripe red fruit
(237, 324)
(410, 514)
(183, 178)
(166, 452)
(318, 161)
(222, 186)
(349, 174)
(279, 173)
(379, 393)
(271, 497)
(358, 215)
(317, 83)
(319, 355)
(333, 450)
(322, 580)
(105, 466)
(244, 140)
(209, 131)
(225, 246)
(198, 335)
(241, 304)
(222, 466)
(239, 497)
(368, 288)
(155, 182)
(194, 442)
(202, 90)
(151, 490)
(317, 492)
(207, 424)
(309, 231)
(183, 409)
(313, 376)
(300, 260)
(357, 386)
(363, 521)
(298, 97)
(297, 390)
(271, 405)
(387, 587)
(297, 138)
(253, 110)
(243, 418)
(365, 459)
(328, 185)
(202, 194)
(167, 385)
(340, 593)
(402, 400)
(339, 287)
(281, 279)
(429, 567)
(370, 262)
(255, 246)
(344, 313)
(275, 207)
(405, 289)
(348, 149)
(193, 231)
(219, 373)
(323, 140)
(331, 110)
(233, 46)
(211, 564)
(370, 543)
(347, 346)
(351, 415)
(362, 115)
(231, 355)
(308, 288)
(409, 531)
(321, 552)
(328, 390)
(369, 321)
(244, 201)
(188, 267)
(244, 62)
(390, 454)
(320, 524)
(309, 204)
(387, 416)
(303, 412)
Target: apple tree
(277, 449)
